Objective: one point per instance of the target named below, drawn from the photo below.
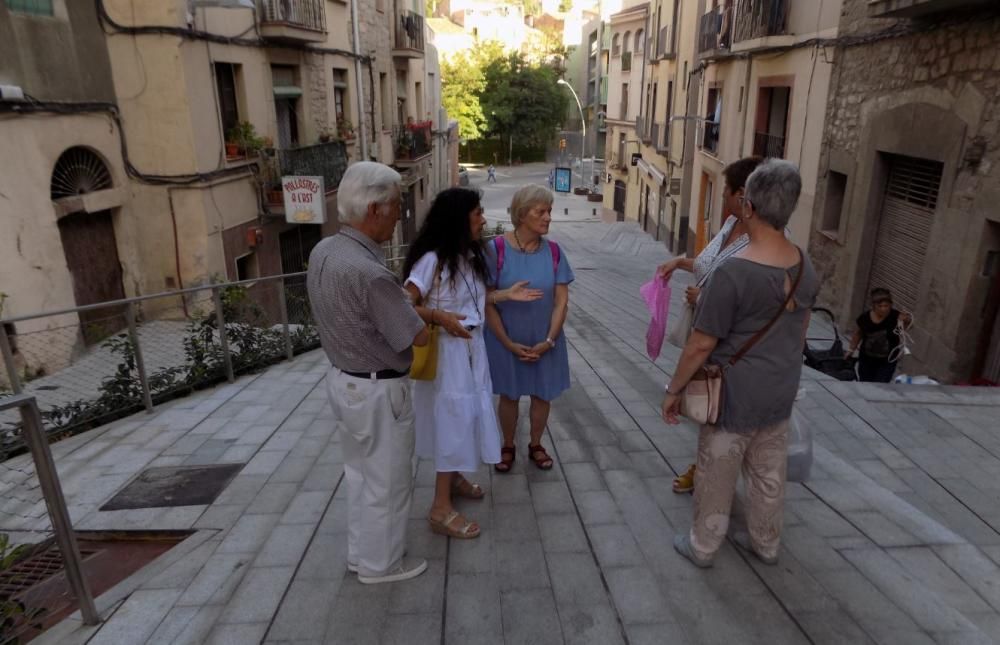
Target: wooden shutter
(905, 228)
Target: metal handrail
(55, 501)
(134, 299)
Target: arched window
(625, 42)
(639, 44)
(616, 45)
(78, 171)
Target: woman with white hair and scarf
(768, 287)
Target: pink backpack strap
(500, 245)
(555, 256)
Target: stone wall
(953, 68)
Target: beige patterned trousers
(762, 457)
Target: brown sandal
(506, 464)
(464, 488)
(543, 462)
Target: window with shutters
(904, 228)
(340, 93)
(225, 81)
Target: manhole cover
(174, 486)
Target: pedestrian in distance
(491, 174)
(456, 426)
(524, 341)
(877, 338)
(751, 322)
(367, 328)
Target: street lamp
(583, 124)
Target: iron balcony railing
(769, 146)
(412, 141)
(409, 31)
(327, 160)
(709, 26)
(759, 19)
(710, 141)
(307, 14)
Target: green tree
(565, 5)
(461, 83)
(522, 100)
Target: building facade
(909, 178)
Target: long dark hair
(446, 231)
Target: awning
(652, 172)
(287, 91)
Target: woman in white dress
(456, 425)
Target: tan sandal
(685, 483)
(444, 527)
(462, 487)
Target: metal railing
(709, 26)
(710, 141)
(308, 14)
(769, 146)
(55, 502)
(409, 31)
(172, 344)
(410, 142)
(327, 160)
(759, 19)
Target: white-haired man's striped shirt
(366, 321)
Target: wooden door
(91, 252)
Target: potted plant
(244, 135)
(325, 136)
(345, 129)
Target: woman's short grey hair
(365, 183)
(774, 189)
(527, 198)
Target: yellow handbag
(425, 359)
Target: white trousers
(376, 429)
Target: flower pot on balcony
(275, 196)
(595, 197)
(580, 190)
(232, 149)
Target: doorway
(91, 252)
(619, 203)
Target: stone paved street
(895, 539)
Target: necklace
(473, 291)
(519, 245)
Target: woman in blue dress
(524, 340)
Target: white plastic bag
(800, 446)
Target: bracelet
(667, 390)
(551, 342)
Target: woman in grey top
(741, 297)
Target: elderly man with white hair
(367, 327)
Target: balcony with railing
(626, 61)
(409, 37)
(754, 19)
(710, 139)
(412, 142)
(327, 160)
(710, 37)
(293, 20)
(769, 146)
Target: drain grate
(174, 486)
(34, 570)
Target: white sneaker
(353, 568)
(408, 568)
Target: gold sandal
(444, 527)
(685, 483)
(462, 487)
